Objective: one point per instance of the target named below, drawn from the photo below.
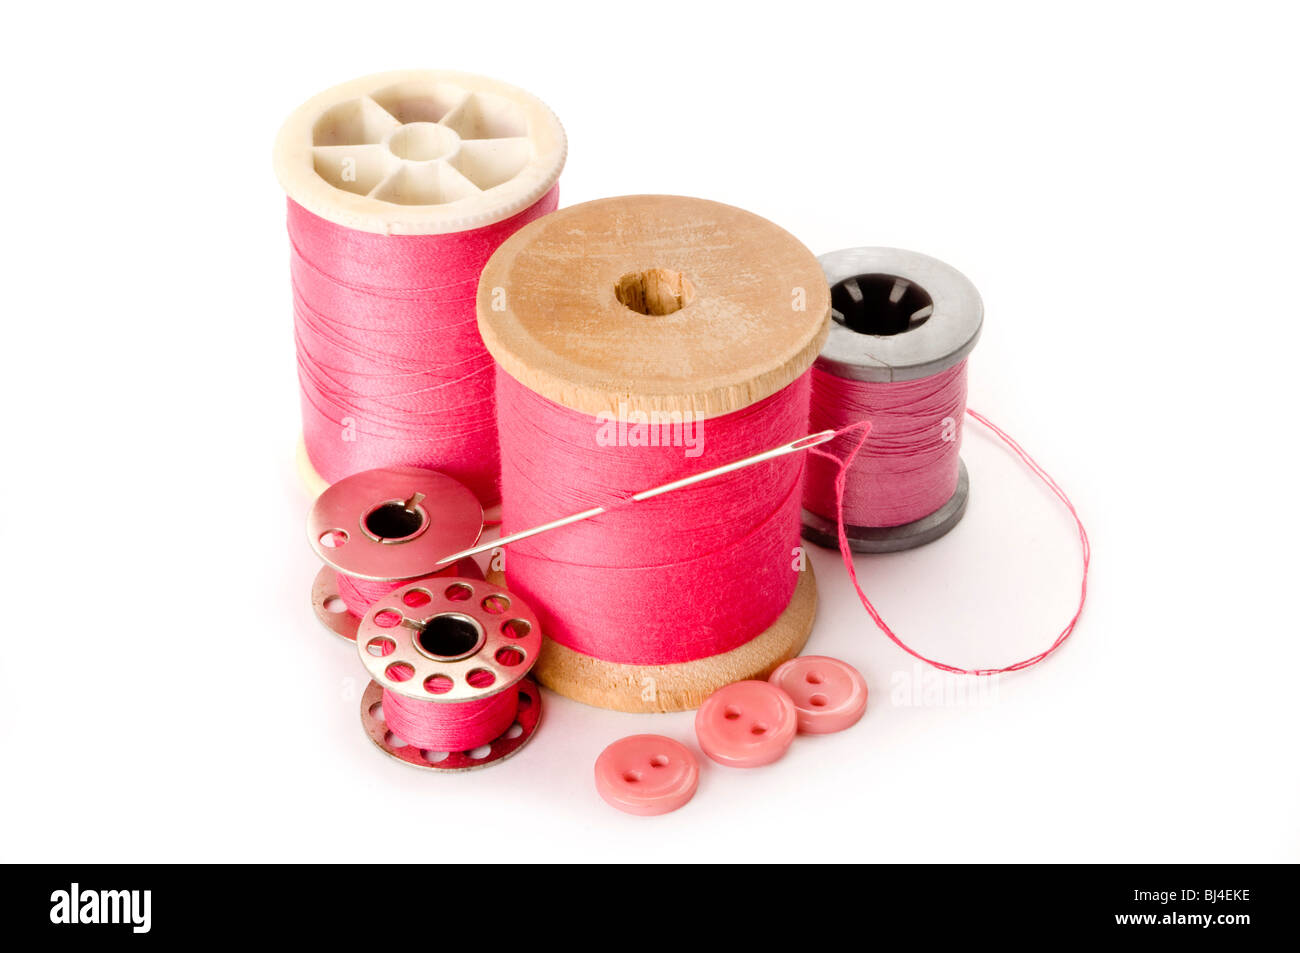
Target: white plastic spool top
(419, 152)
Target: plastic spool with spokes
(391, 525)
(417, 152)
(449, 641)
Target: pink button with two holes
(647, 774)
(746, 724)
(830, 695)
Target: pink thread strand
(845, 467)
(391, 365)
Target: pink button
(746, 724)
(829, 694)
(647, 774)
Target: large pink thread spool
(615, 323)
(400, 187)
(449, 658)
(902, 326)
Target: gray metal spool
(896, 316)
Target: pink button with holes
(829, 694)
(746, 724)
(647, 774)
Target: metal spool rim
(943, 339)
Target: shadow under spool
(651, 304)
(896, 316)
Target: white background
(1119, 181)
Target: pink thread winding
(674, 578)
(909, 468)
(359, 595)
(392, 367)
(459, 726)
(845, 468)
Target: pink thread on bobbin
(391, 365)
(909, 467)
(359, 595)
(687, 575)
(458, 727)
(450, 659)
(378, 529)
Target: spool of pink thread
(400, 187)
(642, 340)
(902, 326)
(449, 658)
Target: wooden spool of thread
(619, 310)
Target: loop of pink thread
(674, 578)
(845, 467)
(910, 466)
(450, 726)
(392, 368)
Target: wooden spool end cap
(656, 303)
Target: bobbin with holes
(388, 525)
(655, 304)
(896, 315)
(448, 641)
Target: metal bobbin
(446, 641)
(390, 524)
(896, 315)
